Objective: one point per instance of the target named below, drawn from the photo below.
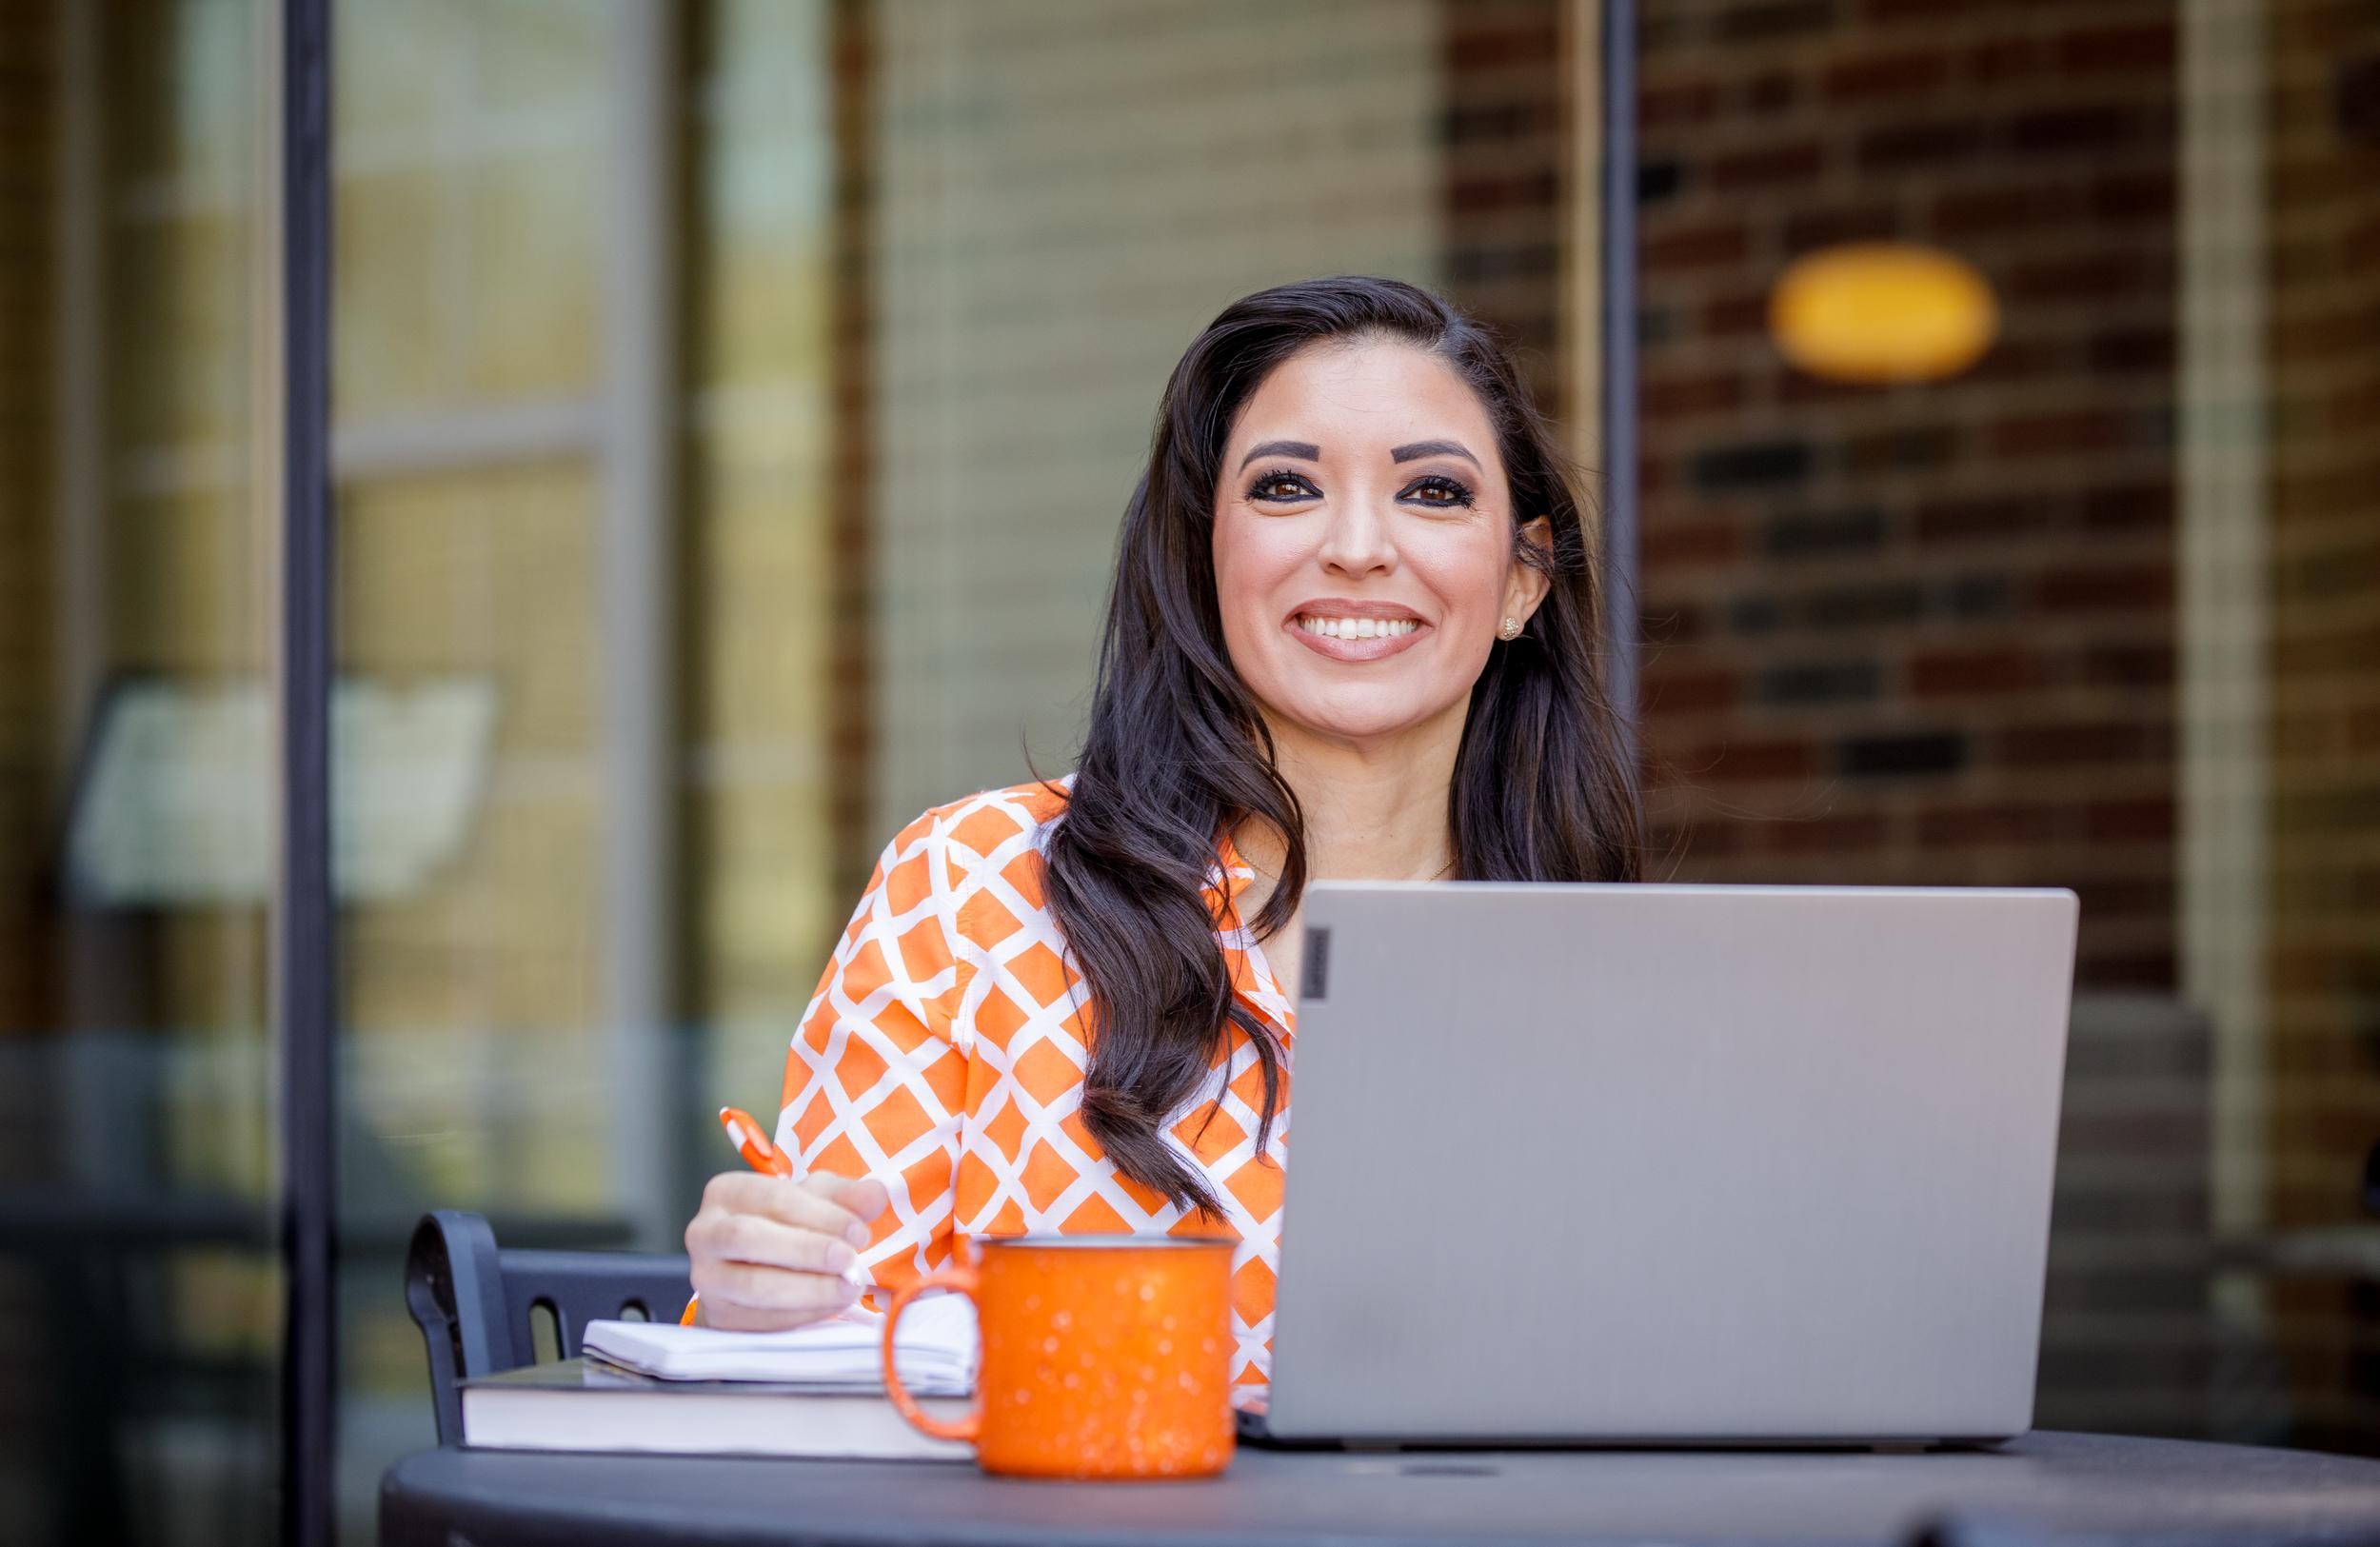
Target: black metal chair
(477, 1306)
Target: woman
(1352, 633)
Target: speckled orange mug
(1103, 1356)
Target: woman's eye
(1281, 486)
(1439, 490)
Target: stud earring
(1511, 628)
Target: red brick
(2024, 360)
(1672, 622)
(2129, 507)
(1671, 544)
(1911, 147)
(2113, 588)
(1777, 165)
(1983, 517)
(1771, 91)
(2129, 666)
(1749, 760)
(2130, 822)
(2363, 728)
(2353, 411)
(1993, 212)
(2065, 742)
(1482, 195)
(2124, 969)
(2145, 49)
(1819, 835)
(1731, 316)
(2147, 197)
(2132, 351)
(1711, 841)
(1678, 397)
(2359, 247)
(2145, 897)
(1907, 448)
(1685, 692)
(2104, 275)
(1697, 247)
(1491, 48)
(1905, 72)
(1685, 103)
(1949, 673)
(1998, 61)
(2094, 127)
(1985, 826)
(1795, 387)
(1808, 230)
(2317, 337)
(2051, 434)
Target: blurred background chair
(482, 1309)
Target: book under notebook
(584, 1405)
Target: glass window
(138, 1135)
(739, 415)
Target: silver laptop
(1669, 1164)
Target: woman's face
(1364, 554)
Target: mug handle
(963, 1279)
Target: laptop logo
(1315, 974)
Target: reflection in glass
(788, 507)
(141, 1332)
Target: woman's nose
(1358, 540)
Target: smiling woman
(1351, 634)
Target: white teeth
(1357, 627)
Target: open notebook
(814, 1391)
(934, 1351)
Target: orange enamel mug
(1103, 1356)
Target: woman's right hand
(769, 1253)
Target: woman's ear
(1526, 585)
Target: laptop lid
(1670, 1162)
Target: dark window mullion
(1620, 367)
(303, 975)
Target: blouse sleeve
(876, 1081)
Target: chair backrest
(477, 1305)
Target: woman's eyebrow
(1312, 452)
(1431, 448)
(1305, 449)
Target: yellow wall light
(1878, 312)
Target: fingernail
(857, 1234)
(838, 1258)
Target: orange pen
(746, 1135)
(752, 1142)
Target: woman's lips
(1356, 649)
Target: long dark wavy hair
(1176, 751)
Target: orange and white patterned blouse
(943, 1054)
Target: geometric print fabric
(943, 1053)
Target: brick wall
(2322, 198)
(1924, 634)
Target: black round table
(2043, 1488)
